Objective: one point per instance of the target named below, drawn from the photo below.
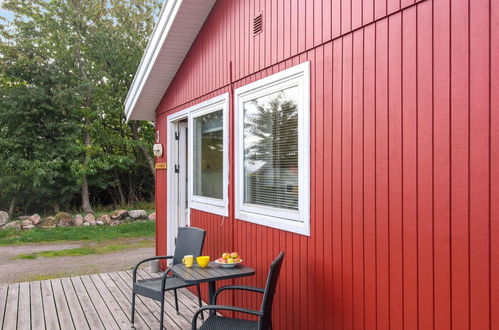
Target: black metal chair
(264, 314)
(189, 241)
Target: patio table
(210, 274)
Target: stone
(28, 227)
(86, 224)
(25, 223)
(48, 223)
(4, 217)
(23, 217)
(119, 214)
(152, 216)
(105, 218)
(99, 223)
(35, 219)
(12, 225)
(78, 220)
(114, 222)
(137, 214)
(90, 218)
(63, 219)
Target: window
(208, 156)
(272, 150)
(208, 140)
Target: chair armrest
(225, 308)
(235, 287)
(145, 260)
(164, 278)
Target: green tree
(66, 66)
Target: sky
(4, 13)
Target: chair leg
(132, 318)
(176, 301)
(200, 301)
(162, 312)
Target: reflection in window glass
(208, 155)
(271, 150)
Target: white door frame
(182, 176)
(172, 194)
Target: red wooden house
(361, 137)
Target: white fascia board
(158, 49)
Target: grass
(92, 233)
(83, 251)
(103, 248)
(43, 277)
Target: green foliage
(65, 69)
(93, 233)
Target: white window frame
(289, 220)
(206, 204)
(209, 204)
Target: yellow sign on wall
(161, 166)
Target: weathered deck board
(79, 318)
(10, 317)
(37, 317)
(3, 302)
(62, 307)
(49, 310)
(100, 301)
(149, 319)
(108, 309)
(88, 307)
(23, 314)
(141, 304)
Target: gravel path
(21, 270)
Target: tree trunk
(120, 191)
(12, 206)
(85, 196)
(57, 209)
(135, 136)
(85, 193)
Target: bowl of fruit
(229, 260)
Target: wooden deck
(99, 301)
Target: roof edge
(162, 28)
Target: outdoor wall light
(157, 150)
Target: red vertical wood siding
(493, 226)
(404, 158)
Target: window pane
(271, 150)
(208, 155)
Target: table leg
(211, 293)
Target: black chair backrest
(190, 240)
(270, 288)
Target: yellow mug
(188, 261)
(203, 261)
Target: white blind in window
(271, 150)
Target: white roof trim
(178, 25)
